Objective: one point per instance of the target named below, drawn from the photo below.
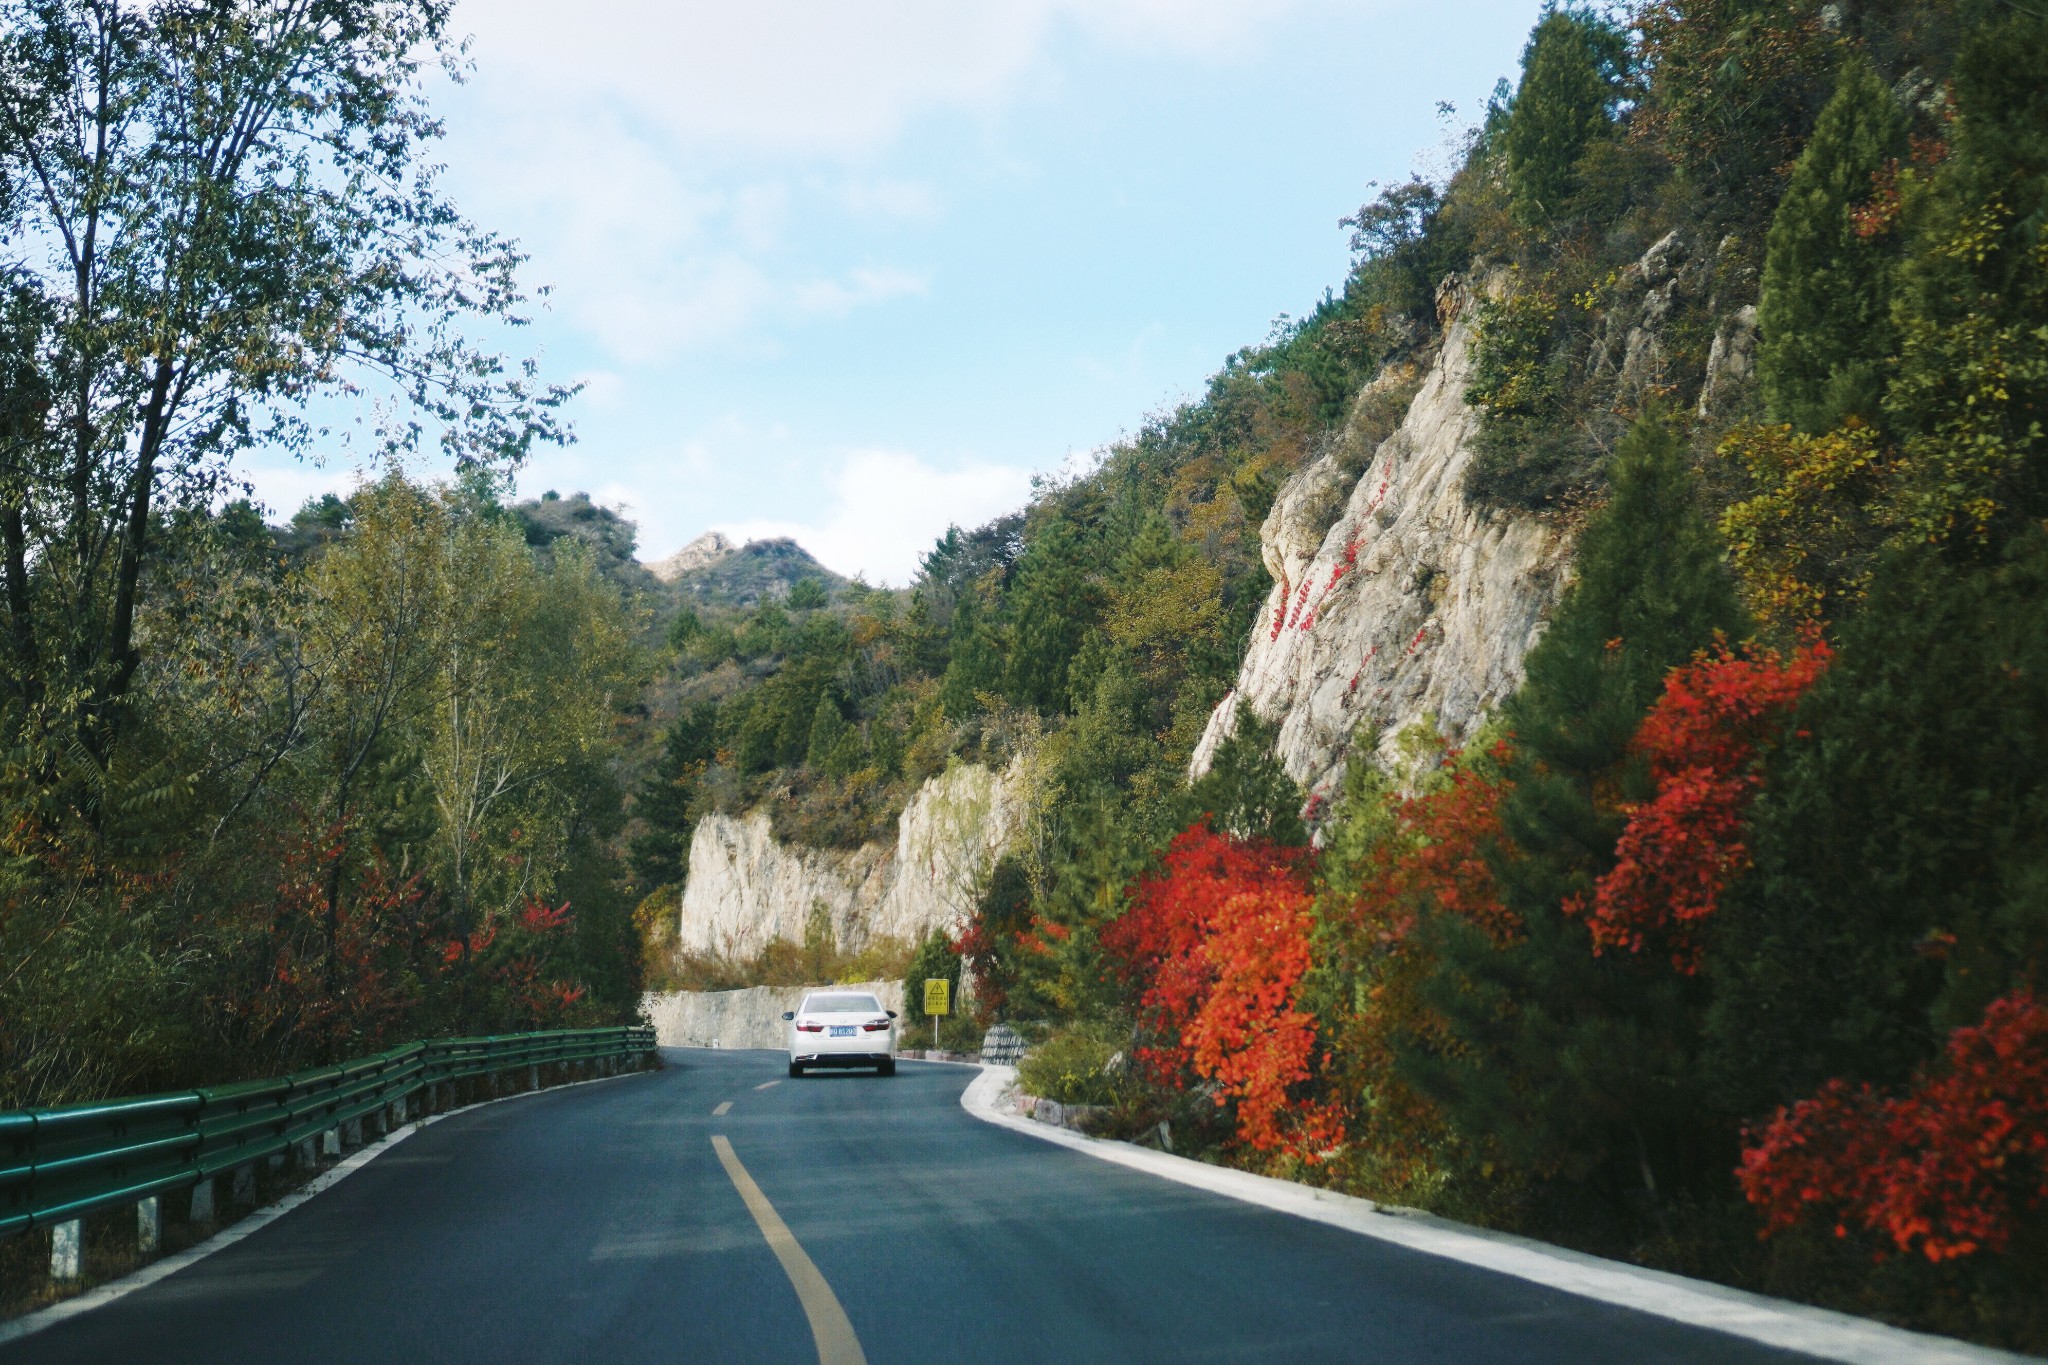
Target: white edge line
(1791, 1326)
(28, 1324)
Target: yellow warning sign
(938, 996)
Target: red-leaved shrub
(1219, 943)
(1943, 1169)
(1682, 847)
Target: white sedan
(841, 1028)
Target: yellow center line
(837, 1345)
(721, 1109)
(767, 1085)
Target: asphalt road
(600, 1223)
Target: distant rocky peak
(700, 553)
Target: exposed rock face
(1630, 354)
(740, 1019)
(700, 553)
(746, 890)
(1394, 600)
(1410, 603)
(1731, 364)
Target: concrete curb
(1816, 1332)
(28, 1324)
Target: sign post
(938, 1000)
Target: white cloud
(818, 78)
(906, 201)
(602, 389)
(283, 489)
(835, 298)
(653, 156)
(887, 509)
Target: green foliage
(1902, 837)
(1824, 313)
(1070, 1067)
(806, 594)
(1048, 611)
(1736, 85)
(1572, 71)
(181, 151)
(1969, 397)
(1246, 793)
(684, 628)
(366, 798)
(1532, 452)
(666, 801)
(1565, 1066)
(933, 960)
(974, 668)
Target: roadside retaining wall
(741, 1019)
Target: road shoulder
(1816, 1332)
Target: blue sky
(849, 270)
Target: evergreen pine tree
(1566, 1064)
(1050, 607)
(1901, 838)
(828, 733)
(660, 855)
(1246, 793)
(1571, 76)
(975, 663)
(1969, 395)
(1823, 317)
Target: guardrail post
(202, 1202)
(66, 1250)
(533, 1078)
(244, 1185)
(149, 1226)
(330, 1142)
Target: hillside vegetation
(272, 797)
(1720, 947)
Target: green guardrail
(60, 1164)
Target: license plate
(843, 1030)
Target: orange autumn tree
(1218, 944)
(1393, 858)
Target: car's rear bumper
(840, 1058)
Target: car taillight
(806, 1026)
(877, 1026)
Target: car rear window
(842, 1004)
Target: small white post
(330, 1142)
(149, 1226)
(66, 1251)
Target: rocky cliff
(1394, 600)
(700, 553)
(744, 889)
(749, 1018)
